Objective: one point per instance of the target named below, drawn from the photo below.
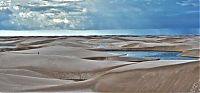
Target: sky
(98, 14)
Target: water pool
(154, 54)
(7, 46)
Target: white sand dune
(139, 44)
(13, 83)
(66, 51)
(191, 53)
(63, 59)
(99, 41)
(180, 78)
(175, 39)
(149, 64)
(169, 77)
(141, 38)
(21, 80)
(5, 39)
(22, 72)
(160, 43)
(9, 42)
(55, 63)
(72, 42)
(153, 47)
(33, 39)
(14, 75)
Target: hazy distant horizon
(99, 32)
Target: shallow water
(6, 46)
(154, 54)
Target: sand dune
(5, 39)
(65, 51)
(57, 66)
(9, 42)
(70, 44)
(168, 77)
(99, 41)
(145, 45)
(68, 64)
(9, 82)
(176, 78)
(159, 43)
(191, 53)
(22, 72)
(149, 64)
(140, 38)
(38, 40)
(175, 39)
(81, 42)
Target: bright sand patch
(65, 51)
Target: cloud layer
(98, 14)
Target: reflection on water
(154, 54)
(7, 46)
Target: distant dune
(191, 53)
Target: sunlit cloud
(97, 14)
(45, 14)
